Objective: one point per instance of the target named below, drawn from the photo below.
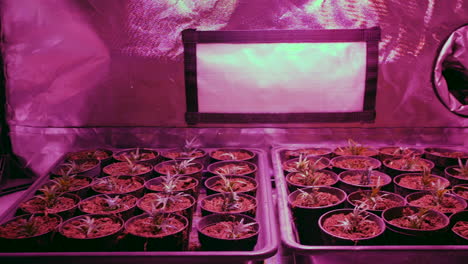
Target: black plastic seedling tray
(265, 248)
(350, 254)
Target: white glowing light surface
(281, 77)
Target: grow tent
(81, 74)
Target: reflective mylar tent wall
(87, 72)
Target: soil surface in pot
(355, 178)
(324, 179)
(17, 228)
(354, 163)
(462, 193)
(184, 155)
(399, 152)
(172, 169)
(116, 184)
(181, 184)
(132, 155)
(103, 226)
(408, 164)
(319, 199)
(224, 230)
(291, 165)
(236, 185)
(449, 154)
(430, 222)
(123, 168)
(99, 204)
(381, 204)
(231, 155)
(306, 152)
(71, 184)
(233, 169)
(63, 169)
(89, 154)
(415, 182)
(461, 228)
(37, 205)
(347, 151)
(181, 203)
(146, 227)
(218, 204)
(447, 205)
(364, 229)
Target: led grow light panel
(281, 77)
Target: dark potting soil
(181, 184)
(397, 152)
(37, 205)
(98, 204)
(216, 204)
(103, 226)
(447, 205)
(123, 168)
(415, 182)
(405, 164)
(355, 178)
(324, 179)
(181, 204)
(170, 169)
(224, 230)
(430, 222)
(122, 185)
(354, 163)
(461, 228)
(231, 155)
(321, 199)
(146, 227)
(16, 229)
(382, 204)
(364, 229)
(237, 185)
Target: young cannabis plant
(181, 166)
(237, 229)
(374, 197)
(366, 177)
(49, 195)
(112, 203)
(354, 148)
(230, 202)
(162, 202)
(354, 220)
(427, 181)
(230, 155)
(417, 219)
(310, 178)
(88, 226)
(191, 146)
(169, 182)
(28, 227)
(462, 169)
(439, 191)
(307, 198)
(302, 164)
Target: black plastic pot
(375, 163)
(390, 154)
(332, 239)
(209, 242)
(395, 172)
(65, 214)
(176, 241)
(295, 153)
(158, 181)
(306, 218)
(197, 174)
(38, 243)
(350, 187)
(124, 213)
(137, 192)
(205, 211)
(454, 218)
(117, 155)
(440, 160)
(389, 195)
(453, 178)
(457, 188)
(88, 154)
(145, 175)
(410, 236)
(209, 183)
(403, 190)
(91, 172)
(323, 164)
(417, 195)
(214, 166)
(294, 186)
(102, 243)
(251, 155)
